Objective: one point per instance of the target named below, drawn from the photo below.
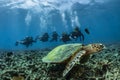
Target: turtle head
(93, 48)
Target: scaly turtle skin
(72, 54)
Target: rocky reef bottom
(27, 65)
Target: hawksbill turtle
(72, 54)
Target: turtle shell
(62, 53)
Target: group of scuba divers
(65, 37)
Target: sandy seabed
(27, 65)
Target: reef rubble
(27, 65)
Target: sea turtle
(72, 54)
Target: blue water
(22, 18)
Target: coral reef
(27, 65)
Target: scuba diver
(65, 37)
(54, 36)
(87, 31)
(27, 41)
(44, 37)
(77, 33)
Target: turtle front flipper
(74, 59)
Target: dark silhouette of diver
(27, 41)
(54, 36)
(87, 31)
(77, 33)
(44, 37)
(65, 37)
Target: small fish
(87, 31)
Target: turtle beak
(104, 47)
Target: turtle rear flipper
(74, 59)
